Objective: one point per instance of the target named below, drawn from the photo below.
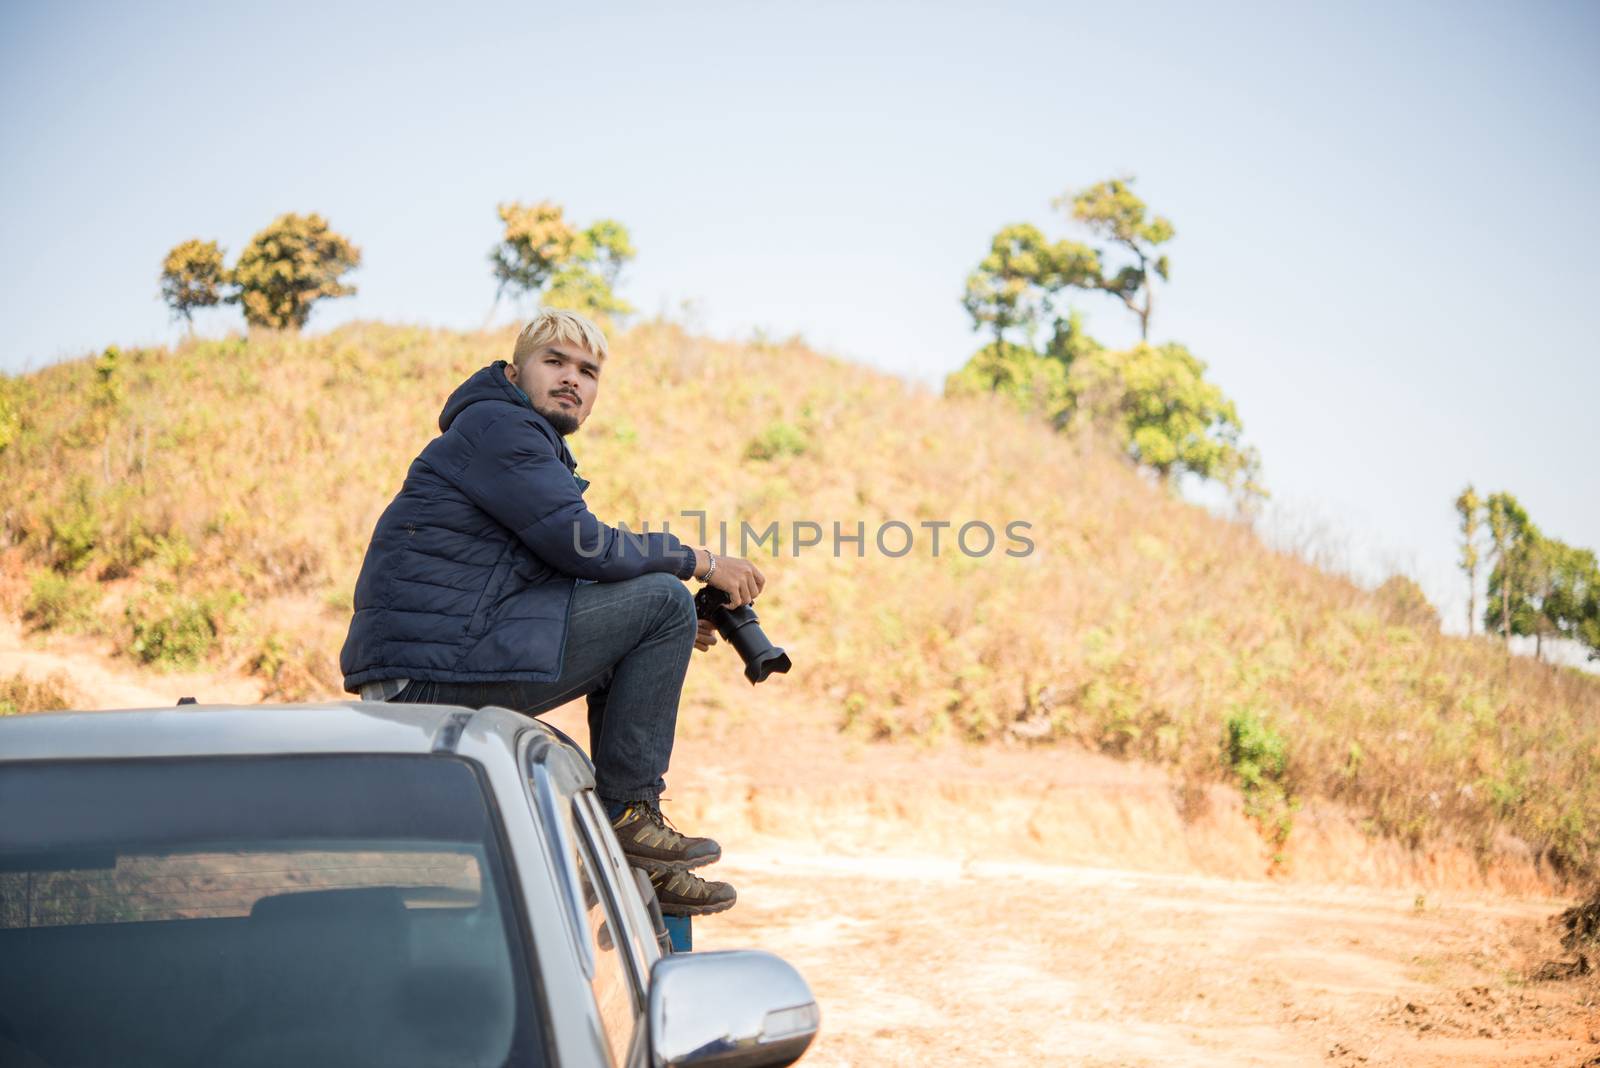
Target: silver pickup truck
(343, 884)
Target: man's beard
(564, 420)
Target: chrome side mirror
(731, 1009)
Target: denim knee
(676, 600)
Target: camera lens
(740, 628)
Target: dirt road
(929, 961)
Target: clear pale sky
(1387, 216)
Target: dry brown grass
(1141, 625)
(20, 694)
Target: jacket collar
(520, 396)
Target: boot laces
(652, 812)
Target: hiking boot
(683, 893)
(650, 842)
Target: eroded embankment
(1048, 805)
(797, 779)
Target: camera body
(740, 628)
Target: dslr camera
(740, 628)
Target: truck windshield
(309, 910)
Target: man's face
(562, 380)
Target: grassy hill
(212, 502)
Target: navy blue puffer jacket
(471, 568)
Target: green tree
(1588, 630)
(1157, 403)
(1531, 612)
(1069, 340)
(288, 267)
(193, 276)
(1017, 287)
(541, 253)
(1540, 587)
(1114, 214)
(1583, 615)
(1154, 400)
(1569, 593)
(536, 240)
(1470, 509)
(1035, 382)
(1510, 537)
(606, 248)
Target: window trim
(545, 802)
(618, 880)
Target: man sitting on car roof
(489, 582)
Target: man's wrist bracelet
(710, 567)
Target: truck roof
(237, 730)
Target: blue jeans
(628, 648)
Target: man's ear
(511, 372)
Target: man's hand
(737, 577)
(706, 636)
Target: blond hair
(557, 324)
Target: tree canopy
(1157, 403)
(1035, 382)
(1153, 400)
(1470, 510)
(1112, 212)
(541, 253)
(193, 276)
(1018, 287)
(288, 267)
(1539, 587)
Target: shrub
(74, 530)
(293, 670)
(58, 601)
(19, 694)
(777, 440)
(10, 419)
(1406, 604)
(176, 630)
(1258, 756)
(136, 545)
(1254, 751)
(108, 385)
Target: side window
(613, 990)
